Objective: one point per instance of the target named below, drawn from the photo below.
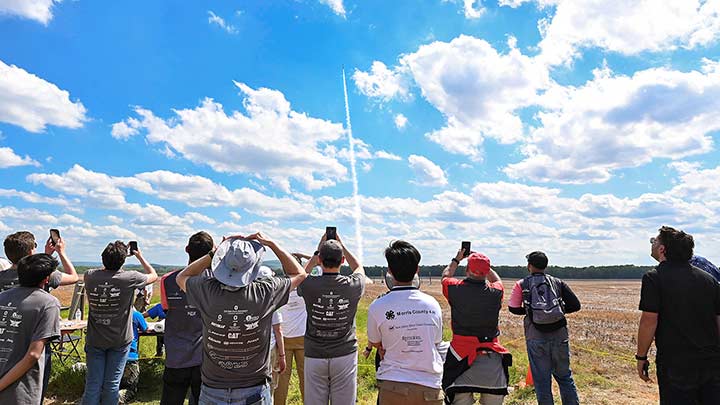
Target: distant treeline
(625, 271)
(159, 268)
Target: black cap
(331, 249)
(538, 260)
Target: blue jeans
(551, 357)
(104, 371)
(257, 395)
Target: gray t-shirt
(110, 296)
(237, 324)
(26, 315)
(9, 279)
(331, 301)
(183, 325)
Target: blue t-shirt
(705, 265)
(156, 311)
(139, 324)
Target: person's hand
(322, 240)
(60, 246)
(641, 370)
(260, 237)
(460, 254)
(281, 364)
(49, 248)
(137, 253)
(381, 351)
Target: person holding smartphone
(477, 363)
(21, 244)
(331, 302)
(110, 292)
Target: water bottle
(78, 314)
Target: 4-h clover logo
(389, 315)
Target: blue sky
(575, 127)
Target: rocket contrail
(356, 197)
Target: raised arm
(193, 269)
(290, 266)
(450, 269)
(353, 262)
(69, 276)
(493, 277)
(149, 270)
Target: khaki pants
(275, 376)
(402, 393)
(294, 349)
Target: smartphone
(133, 247)
(466, 245)
(330, 233)
(646, 369)
(54, 236)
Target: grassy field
(602, 342)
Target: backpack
(542, 299)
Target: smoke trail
(356, 197)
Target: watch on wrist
(317, 252)
(644, 358)
(456, 261)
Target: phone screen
(54, 236)
(133, 247)
(331, 233)
(466, 245)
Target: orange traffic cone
(529, 379)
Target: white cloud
(32, 103)
(96, 189)
(38, 10)
(382, 83)
(234, 215)
(220, 22)
(114, 219)
(472, 9)
(426, 172)
(336, 6)
(196, 217)
(386, 155)
(626, 27)
(33, 197)
(123, 130)
(617, 121)
(477, 89)
(271, 141)
(8, 158)
(400, 121)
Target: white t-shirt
(294, 316)
(408, 322)
(277, 318)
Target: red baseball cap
(478, 264)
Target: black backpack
(542, 299)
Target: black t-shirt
(687, 301)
